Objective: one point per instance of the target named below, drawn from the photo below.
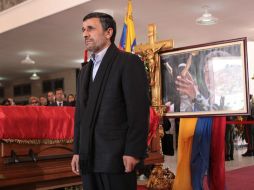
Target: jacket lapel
(85, 82)
(100, 82)
(95, 98)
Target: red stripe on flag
(85, 56)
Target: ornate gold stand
(150, 54)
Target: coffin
(36, 147)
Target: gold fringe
(39, 141)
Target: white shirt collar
(97, 58)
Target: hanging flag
(128, 38)
(85, 55)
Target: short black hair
(107, 21)
(58, 89)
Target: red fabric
(217, 165)
(154, 123)
(142, 187)
(36, 122)
(85, 55)
(240, 122)
(240, 178)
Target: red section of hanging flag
(85, 55)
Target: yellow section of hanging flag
(128, 38)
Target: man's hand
(186, 85)
(129, 163)
(75, 164)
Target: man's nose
(85, 34)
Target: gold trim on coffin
(38, 141)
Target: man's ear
(109, 33)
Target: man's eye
(90, 28)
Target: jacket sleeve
(136, 96)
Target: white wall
(31, 10)
(250, 48)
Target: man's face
(95, 37)
(51, 97)
(43, 101)
(34, 101)
(71, 98)
(59, 95)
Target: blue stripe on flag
(123, 37)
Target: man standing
(112, 111)
(249, 131)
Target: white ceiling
(55, 42)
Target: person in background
(249, 131)
(6, 102)
(33, 101)
(65, 97)
(11, 101)
(71, 100)
(229, 139)
(43, 101)
(112, 111)
(51, 98)
(59, 101)
(167, 139)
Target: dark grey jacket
(112, 113)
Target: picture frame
(205, 80)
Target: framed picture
(207, 79)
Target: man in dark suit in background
(59, 101)
(112, 111)
(50, 98)
(249, 131)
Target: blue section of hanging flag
(123, 38)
